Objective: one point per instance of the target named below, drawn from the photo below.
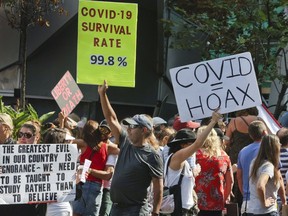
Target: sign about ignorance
(37, 173)
(107, 36)
(229, 83)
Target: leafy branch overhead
(226, 27)
(33, 12)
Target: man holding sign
(138, 163)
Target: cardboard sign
(67, 93)
(229, 83)
(37, 173)
(107, 36)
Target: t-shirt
(111, 161)
(284, 167)
(134, 170)
(59, 208)
(254, 205)
(245, 157)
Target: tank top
(98, 159)
(239, 141)
(187, 185)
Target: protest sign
(67, 93)
(37, 173)
(228, 83)
(107, 36)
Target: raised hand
(103, 88)
(216, 116)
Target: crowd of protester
(205, 164)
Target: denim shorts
(89, 203)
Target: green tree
(226, 27)
(19, 116)
(22, 14)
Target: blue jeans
(130, 210)
(106, 203)
(89, 203)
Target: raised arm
(180, 156)
(108, 112)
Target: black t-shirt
(133, 172)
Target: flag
(268, 118)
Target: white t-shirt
(111, 161)
(59, 209)
(187, 185)
(254, 205)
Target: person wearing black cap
(138, 163)
(182, 147)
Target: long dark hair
(269, 151)
(55, 135)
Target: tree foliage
(20, 116)
(227, 27)
(22, 14)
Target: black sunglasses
(133, 126)
(26, 135)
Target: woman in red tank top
(94, 147)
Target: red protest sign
(67, 93)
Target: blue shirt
(245, 156)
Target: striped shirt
(284, 167)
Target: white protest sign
(37, 173)
(86, 167)
(229, 83)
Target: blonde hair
(212, 144)
(152, 140)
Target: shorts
(89, 203)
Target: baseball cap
(158, 121)
(139, 119)
(104, 123)
(178, 125)
(7, 120)
(220, 134)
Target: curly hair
(212, 144)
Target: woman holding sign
(29, 133)
(94, 147)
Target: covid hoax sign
(229, 83)
(37, 173)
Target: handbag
(172, 202)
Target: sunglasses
(133, 126)
(25, 135)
